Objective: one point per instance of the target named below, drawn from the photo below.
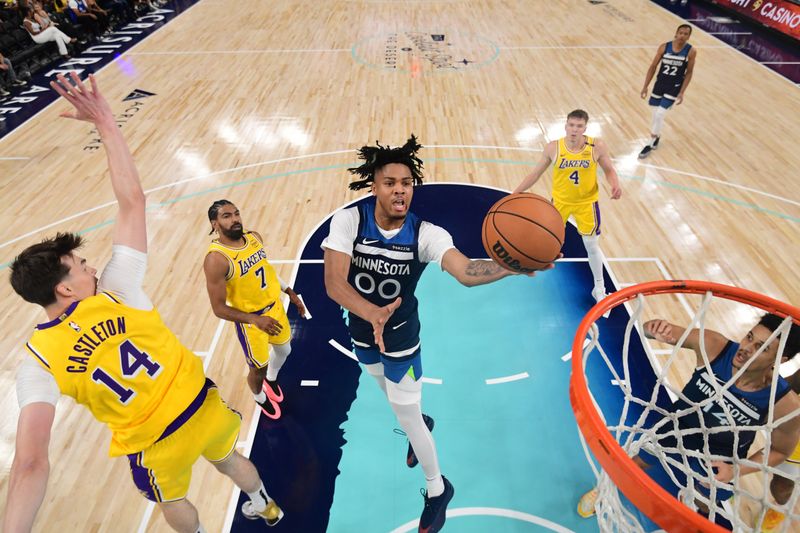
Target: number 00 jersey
(123, 364)
(575, 174)
(251, 282)
(381, 270)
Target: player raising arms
(106, 346)
(375, 254)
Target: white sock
(410, 419)
(435, 486)
(376, 371)
(261, 397)
(595, 258)
(260, 498)
(279, 354)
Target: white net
(677, 436)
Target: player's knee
(406, 393)
(282, 350)
(781, 488)
(591, 242)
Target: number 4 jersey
(123, 364)
(575, 174)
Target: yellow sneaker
(271, 515)
(587, 502)
(772, 521)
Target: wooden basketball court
(264, 103)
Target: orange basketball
(523, 232)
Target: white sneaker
(271, 515)
(599, 293)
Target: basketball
(523, 232)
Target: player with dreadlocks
(375, 254)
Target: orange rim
(635, 484)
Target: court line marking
(729, 33)
(594, 47)
(14, 158)
(330, 167)
(309, 383)
(307, 315)
(343, 350)
(217, 52)
(432, 381)
(780, 62)
(490, 511)
(508, 379)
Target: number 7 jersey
(251, 283)
(123, 364)
(575, 174)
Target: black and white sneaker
(645, 151)
(411, 457)
(655, 143)
(435, 511)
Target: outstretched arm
(90, 106)
(31, 467)
(548, 155)
(664, 331)
(652, 69)
(604, 160)
(474, 272)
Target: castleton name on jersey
(92, 339)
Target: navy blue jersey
(383, 269)
(747, 408)
(671, 70)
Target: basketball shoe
(435, 511)
(411, 457)
(271, 515)
(587, 502)
(276, 397)
(270, 408)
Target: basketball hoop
(613, 444)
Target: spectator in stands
(62, 22)
(100, 13)
(78, 13)
(8, 77)
(45, 35)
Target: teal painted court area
(512, 447)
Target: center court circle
(425, 51)
(491, 511)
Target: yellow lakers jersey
(575, 174)
(251, 282)
(123, 364)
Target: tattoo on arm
(482, 268)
